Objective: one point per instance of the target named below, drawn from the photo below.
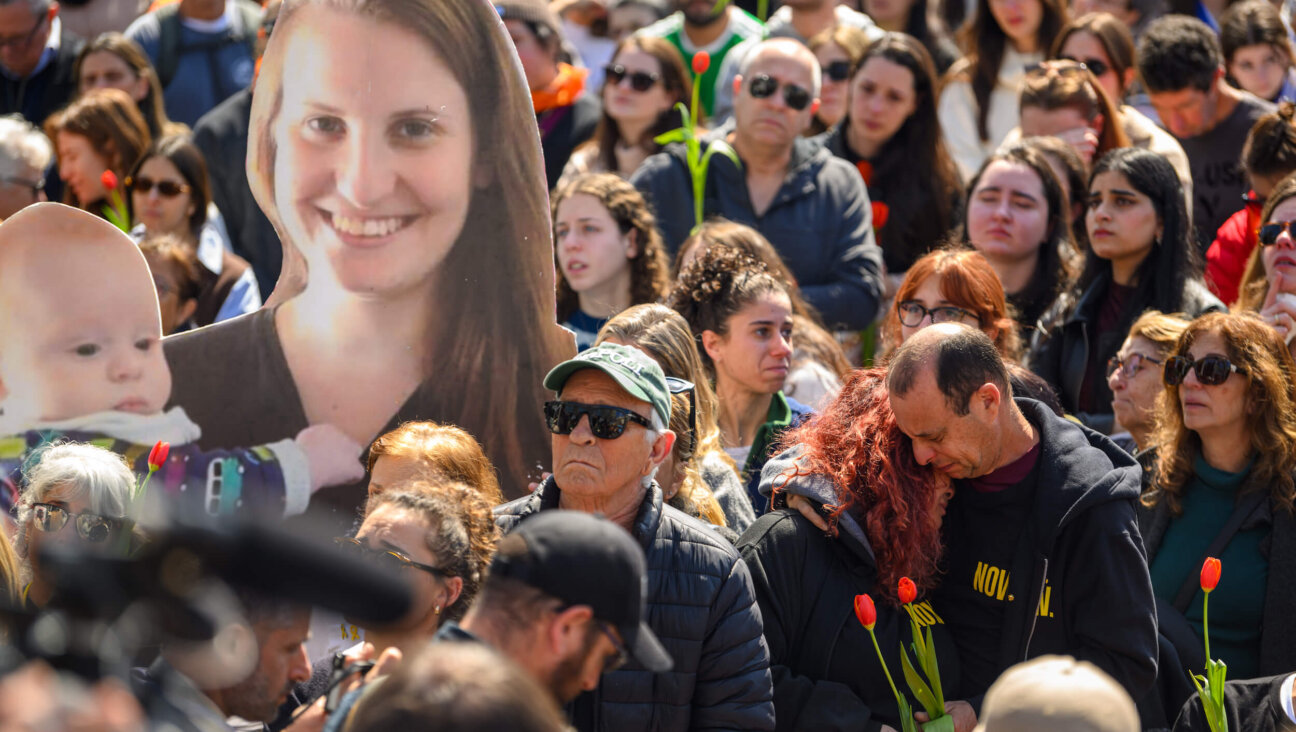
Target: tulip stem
(882, 661)
(1206, 623)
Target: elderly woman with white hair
(73, 493)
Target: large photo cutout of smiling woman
(393, 145)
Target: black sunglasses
(1130, 365)
(912, 313)
(763, 86)
(1270, 232)
(1097, 66)
(391, 559)
(168, 188)
(1211, 370)
(837, 70)
(640, 81)
(91, 527)
(606, 422)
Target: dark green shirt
(1237, 603)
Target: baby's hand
(334, 458)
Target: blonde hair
(1160, 328)
(665, 336)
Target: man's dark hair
(454, 687)
(1178, 52)
(267, 613)
(963, 363)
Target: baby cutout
(81, 359)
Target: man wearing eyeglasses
(25, 153)
(609, 438)
(37, 57)
(811, 205)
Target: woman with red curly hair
(884, 514)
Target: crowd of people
(581, 362)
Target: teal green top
(1237, 604)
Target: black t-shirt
(982, 526)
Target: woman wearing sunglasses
(75, 494)
(1269, 283)
(892, 135)
(1141, 255)
(642, 85)
(741, 315)
(978, 103)
(698, 478)
(876, 518)
(440, 536)
(838, 49)
(170, 194)
(1103, 44)
(1226, 446)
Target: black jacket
(1277, 637)
(222, 136)
(1080, 556)
(702, 607)
(825, 669)
(820, 222)
(48, 91)
(565, 131)
(1067, 344)
(1252, 705)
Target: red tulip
(1210, 574)
(108, 179)
(865, 169)
(701, 62)
(158, 455)
(880, 213)
(865, 611)
(908, 591)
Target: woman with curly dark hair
(1225, 487)
(741, 315)
(609, 253)
(884, 513)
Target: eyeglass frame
(788, 89)
(1128, 366)
(135, 185)
(115, 525)
(585, 413)
(617, 73)
(365, 552)
(1173, 361)
(1096, 66)
(900, 306)
(677, 385)
(622, 656)
(22, 41)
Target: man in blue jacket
(1042, 549)
(609, 437)
(811, 205)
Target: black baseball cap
(582, 559)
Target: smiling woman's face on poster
(393, 145)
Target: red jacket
(1227, 257)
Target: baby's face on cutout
(87, 334)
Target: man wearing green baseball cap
(609, 437)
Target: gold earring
(436, 610)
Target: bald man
(811, 205)
(81, 359)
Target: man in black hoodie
(1042, 549)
